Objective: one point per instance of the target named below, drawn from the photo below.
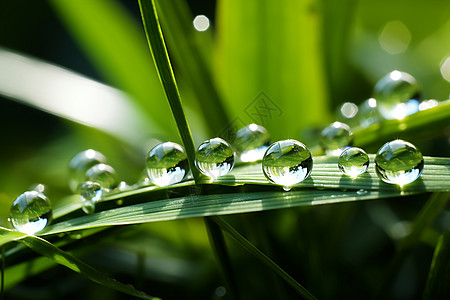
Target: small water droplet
(79, 164)
(336, 138)
(214, 158)
(367, 113)
(353, 162)
(287, 162)
(30, 212)
(397, 95)
(251, 143)
(427, 104)
(362, 192)
(287, 188)
(91, 192)
(166, 164)
(398, 162)
(103, 174)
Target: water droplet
(103, 174)
(398, 162)
(336, 138)
(30, 212)
(79, 164)
(214, 158)
(287, 162)
(397, 95)
(91, 192)
(167, 164)
(353, 162)
(362, 192)
(251, 142)
(39, 187)
(367, 113)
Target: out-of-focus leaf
(116, 44)
(74, 97)
(269, 64)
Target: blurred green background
(302, 59)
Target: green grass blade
(243, 242)
(114, 42)
(161, 58)
(191, 52)
(47, 249)
(209, 205)
(437, 286)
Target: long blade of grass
(191, 52)
(242, 241)
(47, 249)
(437, 286)
(161, 58)
(209, 205)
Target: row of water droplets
(284, 163)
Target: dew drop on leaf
(214, 158)
(166, 164)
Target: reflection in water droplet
(103, 174)
(287, 162)
(166, 164)
(336, 138)
(30, 212)
(91, 192)
(398, 162)
(251, 142)
(214, 158)
(397, 95)
(79, 164)
(353, 162)
(362, 192)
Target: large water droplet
(214, 158)
(30, 212)
(397, 95)
(167, 164)
(251, 142)
(103, 174)
(287, 162)
(398, 162)
(79, 164)
(336, 138)
(353, 162)
(91, 192)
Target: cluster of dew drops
(284, 163)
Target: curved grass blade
(242, 241)
(161, 58)
(47, 249)
(437, 286)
